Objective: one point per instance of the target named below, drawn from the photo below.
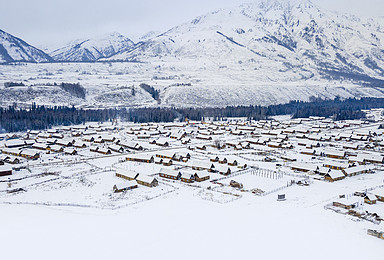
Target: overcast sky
(53, 23)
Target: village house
(201, 176)
(201, 147)
(347, 203)
(304, 167)
(334, 154)
(187, 176)
(336, 165)
(146, 180)
(360, 169)
(116, 148)
(334, 175)
(132, 145)
(56, 148)
(104, 151)
(30, 154)
(5, 170)
(223, 169)
(126, 174)
(125, 186)
(65, 142)
(70, 151)
(162, 142)
(79, 144)
(169, 174)
(370, 198)
(40, 146)
(15, 143)
(201, 165)
(145, 158)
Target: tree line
(37, 117)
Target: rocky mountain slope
(293, 39)
(14, 49)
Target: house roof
(145, 178)
(128, 173)
(335, 174)
(169, 172)
(125, 184)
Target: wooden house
(108, 138)
(79, 144)
(146, 180)
(223, 160)
(360, 169)
(187, 177)
(40, 146)
(132, 145)
(201, 165)
(223, 169)
(302, 167)
(201, 147)
(11, 159)
(379, 193)
(5, 170)
(336, 165)
(116, 148)
(166, 155)
(335, 154)
(201, 176)
(65, 142)
(30, 154)
(56, 148)
(70, 151)
(162, 142)
(88, 138)
(98, 140)
(94, 149)
(347, 203)
(57, 135)
(125, 186)
(158, 160)
(167, 162)
(15, 143)
(169, 174)
(214, 159)
(232, 162)
(145, 158)
(103, 150)
(370, 198)
(126, 174)
(334, 175)
(274, 145)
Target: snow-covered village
(192, 130)
(332, 168)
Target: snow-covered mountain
(15, 49)
(274, 41)
(93, 49)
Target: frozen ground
(183, 226)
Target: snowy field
(111, 85)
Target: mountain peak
(15, 49)
(93, 49)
